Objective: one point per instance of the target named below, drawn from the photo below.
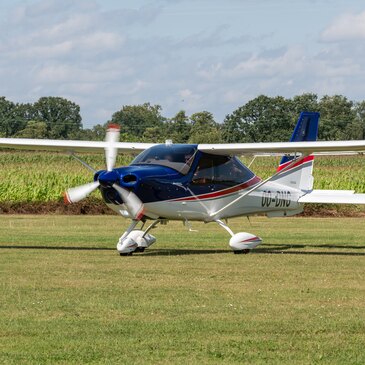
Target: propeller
(133, 204)
(78, 193)
(112, 137)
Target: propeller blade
(112, 137)
(78, 193)
(133, 203)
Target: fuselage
(178, 182)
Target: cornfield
(42, 177)
(330, 172)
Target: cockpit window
(216, 169)
(177, 157)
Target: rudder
(299, 175)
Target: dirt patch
(333, 210)
(87, 206)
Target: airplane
(202, 182)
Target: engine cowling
(244, 241)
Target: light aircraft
(204, 182)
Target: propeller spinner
(133, 204)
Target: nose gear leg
(136, 240)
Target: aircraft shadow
(182, 251)
(153, 252)
(271, 249)
(67, 248)
(297, 245)
(290, 249)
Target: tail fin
(299, 175)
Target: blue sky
(192, 55)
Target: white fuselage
(272, 198)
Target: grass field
(67, 297)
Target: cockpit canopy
(221, 170)
(177, 157)
(210, 169)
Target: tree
(62, 117)
(153, 135)
(359, 128)
(33, 129)
(178, 128)
(307, 102)
(337, 116)
(204, 129)
(135, 119)
(96, 133)
(261, 119)
(12, 117)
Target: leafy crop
(330, 172)
(42, 177)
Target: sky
(190, 55)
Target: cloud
(287, 71)
(292, 60)
(345, 28)
(71, 49)
(103, 59)
(213, 39)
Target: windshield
(177, 157)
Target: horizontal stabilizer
(333, 197)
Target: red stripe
(252, 239)
(223, 192)
(300, 162)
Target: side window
(204, 173)
(224, 170)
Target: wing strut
(83, 162)
(295, 160)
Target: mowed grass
(67, 297)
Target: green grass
(67, 297)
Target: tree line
(262, 119)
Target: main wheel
(126, 254)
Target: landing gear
(136, 240)
(242, 242)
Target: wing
(333, 196)
(69, 146)
(283, 147)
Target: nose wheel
(136, 240)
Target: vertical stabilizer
(299, 175)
